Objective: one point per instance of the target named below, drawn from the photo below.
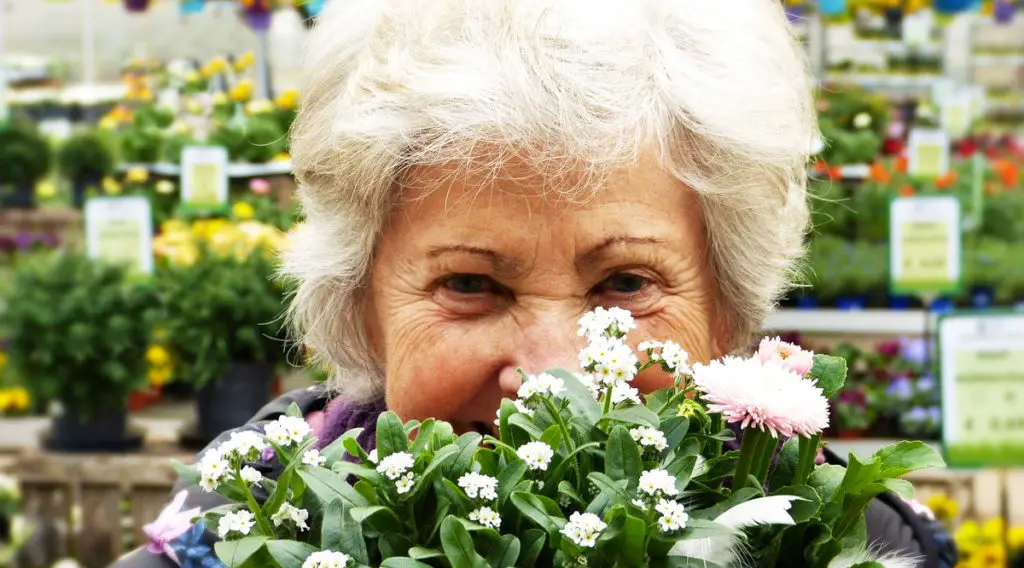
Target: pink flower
(764, 396)
(790, 356)
(259, 186)
(172, 523)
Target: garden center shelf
(239, 170)
(858, 322)
(994, 60)
(886, 82)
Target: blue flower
(900, 389)
(193, 551)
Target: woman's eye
(623, 283)
(470, 284)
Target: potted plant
(983, 261)
(24, 160)
(78, 334)
(853, 416)
(220, 301)
(85, 159)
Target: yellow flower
(283, 157)
(259, 107)
(243, 211)
(193, 108)
(137, 175)
(108, 123)
(1015, 538)
(216, 66)
(185, 255)
(5, 401)
(193, 77)
(205, 229)
(288, 100)
(181, 128)
(989, 556)
(968, 537)
(165, 187)
(242, 91)
(219, 99)
(994, 530)
(158, 376)
(245, 61)
(173, 226)
(46, 189)
(157, 356)
(110, 186)
(3, 359)
(943, 507)
(18, 399)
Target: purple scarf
(342, 416)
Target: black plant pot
(17, 197)
(80, 188)
(105, 432)
(234, 399)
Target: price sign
(4, 110)
(204, 177)
(927, 153)
(981, 369)
(979, 100)
(917, 29)
(120, 230)
(924, 245)
(943, 89)
(957, 114)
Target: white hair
(716, 90)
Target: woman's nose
(541, 347)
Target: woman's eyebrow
(502, 265)
(596, 253)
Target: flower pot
(136, 6)
(1003, 11)
(17, 197)
(952, 6)
(900, 302)
(105, 432)
(941, 305)
(851, 303)
(983, 296)
(231, 401)
(831, 7)
(78, 190)
(849, 434)
(258, 20)
(806, 302)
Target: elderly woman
(476, 174)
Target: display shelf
(857, 322)
(886, 82)
(993, 60)
(239, 170)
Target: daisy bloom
(584, 528)
(788, 355)
(487, 517)
(537, 455)
(760, 395)
(327, 559)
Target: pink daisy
(786, 354)
(765, 396)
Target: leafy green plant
(224, 307)
(86, 156)
(24, 154)
(142, 144)
(831, 209)
(78, 332)
(871, 211)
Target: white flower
(287, 430)
(657, 482)
(639, 504)
(479, 486)
(675, 358)
(250, 475)
(609, 358)
(537, 455)
(327, 559)
(395, 465)
(372, 456)
(861, 120)
(240, 522)
(66, 563)
(289, 512)
(673, 516)
(522, 408)
(760, 395)
(621, 392)
(404, 484)
(584, 528)
(244, 446)
(212, 469)
(543, 384)
(312, 458)
(487, 517)
(649, 437)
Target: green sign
(981, 371)
(924, 245)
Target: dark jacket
(892, 524)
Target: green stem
(805, 459)
(561, 423)
(607, 400)
(748, 456)
(716, 426)
(764, 459)
(261, 519)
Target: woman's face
(474, 277)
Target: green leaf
(442, 458)
(235, 553)
(357, 470)
(556, 474)
(900, 487)
(724, 436)
(675, 429)
(508, 478)
(825, 479)
(508, 434)
(393, 544)
(634, 541)
(403, 562)
(552, 437)
(638, 415)
(860, 474)
(581, 400)
(829, 372)
(544, 512)
(336, 450)
(328, 486)
(189, 473)
(904, 457)
(458, 545)
(333, 523)
(423, 436)
(280, 492)
(622, 457)
(524, 423)
(293, 409)
(801, 511)
(504, 552)
(614, 488)
(391, 437)
(289, 553)
(786, 465)
(463, 461)
(383, 519)
(533, 545)
(420, 553)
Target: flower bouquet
(584, 471)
